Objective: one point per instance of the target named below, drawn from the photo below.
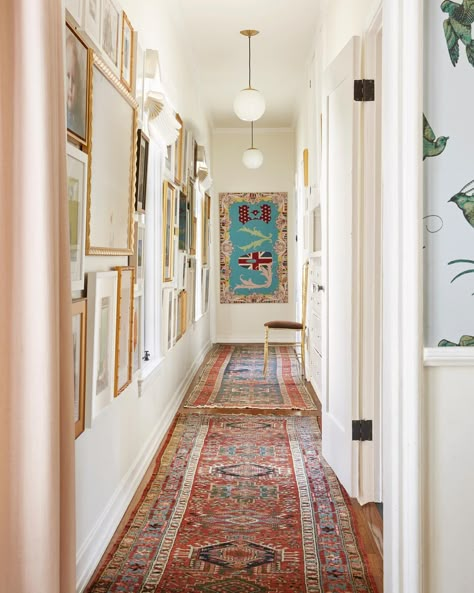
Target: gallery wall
(115, 450)
(244, 322)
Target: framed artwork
(205, 289)
(181, 316)
(92, 20)
(192, 218)
(138, 80)
(75, 10)
(191, 290)
(76, 161)
(126, 64)
(167, 319)
(178, 163)
(101, 325)
(169, 194)
(183, 222)
(137, 338)
(124, 330)
(137, 260)
(206, 214)
(182, 269)
(195, 158)
(77, 87)
(169, 162)
(79, 316)
(109, 32)
(112, 162)
(142, 171)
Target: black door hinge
(364, 90)
(362, 430)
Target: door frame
(402, 369)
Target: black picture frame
(142, 171)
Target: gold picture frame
(206, 214)
(79, 325)
(127, 61)
(178, 161)
(169, 196)
(112, 163)
(78, 58)
(124, 328)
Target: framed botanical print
(112, 162)
(124, 331)
(137, 260)
(79, 317)
(92, 20)
(77, 87)
(109, 32)
(127, 57)
(101, 325)
(142, 171)
(169, 193)
(77, 196)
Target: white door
(340, 202)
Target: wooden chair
(291, 325)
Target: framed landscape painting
(124, 331)
(77, 87)
(79, 362)
(101, 324)
(76, 193)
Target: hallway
(239, 498)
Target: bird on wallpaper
(465, 201)
(432, 146)
(458, 28)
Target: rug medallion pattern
(233, 378)
(230, 507)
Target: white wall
(244, 322)
(112, 455)
(448, 479)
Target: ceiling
(220, 53)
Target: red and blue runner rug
(239, 504)
(233, 378)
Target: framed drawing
(112, 162)
(192, 218)
(181, 316)
(205, 290)
(109, 31)
(75, 10)
(124, 331)
(167, 318)
(77, 86)
(191, 291)
(79, 317)
(183, 222)
(169, 193)
(126, 63)
(137, 338)
(136, 261)
(77, 194)
(178, 150)
(142, 171)
(182, 269)
(101, 324)
(92, 20)
(169, 162)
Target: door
(340, 203)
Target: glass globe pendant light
(249, 105)
(252, 157)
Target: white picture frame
(110, 34)
(101, 331)
(75, 12)
(138, 327)
(167, 319)
(137, 260)
(92, 21)
(77, 165)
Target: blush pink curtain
(37, 525)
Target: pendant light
(249, 105)
(252, 157)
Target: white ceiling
(220, 53)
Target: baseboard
(91, 552)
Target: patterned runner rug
(233, 378)
(239, 504)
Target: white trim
(449, 357)
(94, 546)
(402, 294)
(245, 130)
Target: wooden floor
(368, 519)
